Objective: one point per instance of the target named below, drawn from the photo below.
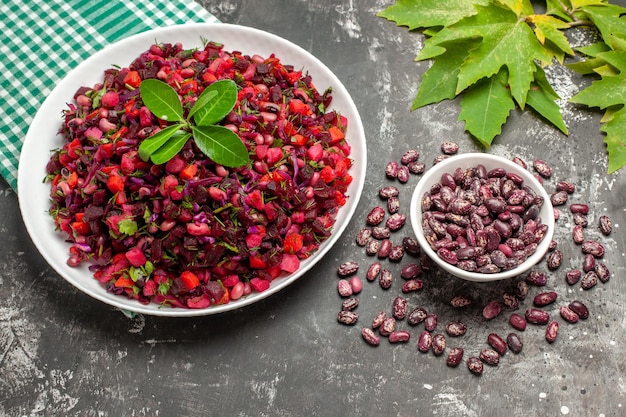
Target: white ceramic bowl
(42, 138)
(469, 160)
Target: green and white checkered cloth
(42, 40)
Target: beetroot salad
(191, 233)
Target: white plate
(42, 138)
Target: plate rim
(25, 175)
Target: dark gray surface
(62, 353)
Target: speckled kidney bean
(350, 304)
(399, 308)
(475, 365)
(399, 336)
(404, 174)
(593, 247)
(373, 270)
(416, 316)
(449, 148)
(396, 253)
(578, 234)
(559, 198)
(384, 248)
(356, 284)
(416, 167)
(579, 308)
(456, 328)
(410, 246)
(378, 319)
(375, 216)
(393, 205)
(566, 186)
(537, 278)
(589, 280)
(455, 356)
(387, 327)
(579, 208)
(519, 161)
(412, 285)
(370, 337)
(492, 310)
(438, 344)
(602, 271)
(460, 301)
(430, 322)
(544, 298)
(497, 343)
(517, 321)
(347, 268)
(510, 300)
(363, 236)
(514, 342)
(589, 263)
(552, 331)
(580, 219)
(344, 288)
(409, 156)
(573, 276)
(388, 192)
(555, 258)
(395, 221)
(385, 279)
(425, 341)
(448, 256)
(391, 170)
(347, 317)
(521, 289)
(605, 224)
(537, 316)
(411, 271)
(380, 232)
(542, 168)
(489, 356)
(568, 314)
(371, 247)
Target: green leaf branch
(220, 144)
(492, 54)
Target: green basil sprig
(220, 144)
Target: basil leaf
(206, 96)
(216, 109)
(170, 148)
(161, 99)
(154, 142)
(220, 144)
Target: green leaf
(161, 99)
(440, 80)
(603, 93)
(541, 101)
(220, 144)
(519, 7)
(550, 28)
(428, 13)
(506, 41)
(615, 129)
(555, 8)
(485, 107)
(212, 111)
(170, 148)
(154, 142)
(127, 226)
(206, 96)
(609, 21)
